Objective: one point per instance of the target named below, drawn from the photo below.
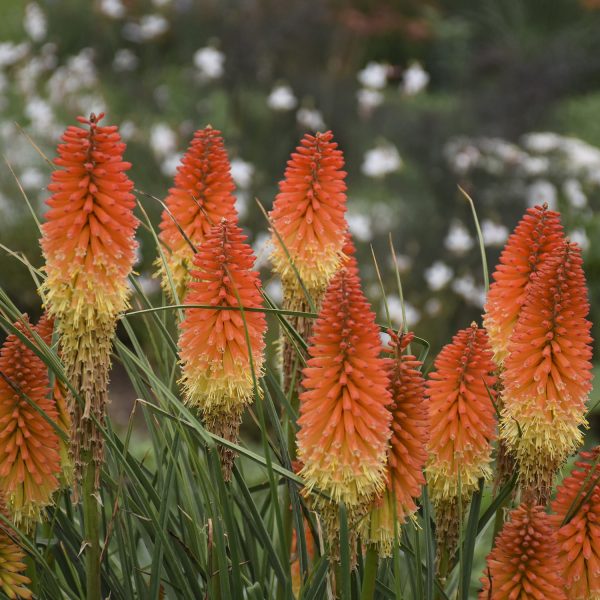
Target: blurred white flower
(536, 165)
(242, 200)
(466, 288)
(282, 98)
(541, 142)
(574, 193)
(210, 62)
(163, 140)
(415, 79)
(39, 112)
(465, 159)
(149, 27)
(77, 74)
(262, 248)
(127, 129)
(368, 99)
(374, 75)
(125, 60)
(274, 290)
(360, 226)
(580, 155)
(35, 23)
(395, 307)
(150, 285)
(458, 238)
(385, 338)
(242, 173)
(541, 191)
(494, 234)
(381, 161)
(403, 262)
(161, 3)
(438, 275)
(11, 53)
(311, 119)
(579, 236)
(32, 178)
(114, 9)
(433, 307)
(170, 163)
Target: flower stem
(91, 524)
(370, 573)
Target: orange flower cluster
(407, 452)
(13, 580)
(30, 462)
(309, 216)
(89, 245)
(344, 420)
(548, 371)
(578, 501)
(535, 237)
(201, 197)
(525, 561)
(222, 351)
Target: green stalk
(91, 525)
(370, 573)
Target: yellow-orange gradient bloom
(13, 581)
(524, 563)
(89, 246)
(217, 357)
(547, 375)
(578, 502)
(29, 445)
(538, 233)
(344, 420)
(309, 215)
(407, 452)
(201, 197)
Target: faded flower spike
(30, 461)
(407, 452)
(525, 560)
(463, 421)
(344, 420)
(201, 197)
(309, 217)
(577, 517)
(13, 580)
(222, 351)
(547, 375)
(538, 233)
(89, 246)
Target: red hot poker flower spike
(525, 561)
(201, 197)
(344, 420)
(13, 580)
(534, 238)
(578, 501)
(547, 375)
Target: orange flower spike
(538, 233)
(344, 420)
(13, 580)
(29, 445)
(548, 371)
(407, 452)
(217, 374)
(309, 215)
(201, 197)
(578, 497)
(525, 560)
(463, 417)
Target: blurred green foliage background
(499, 96)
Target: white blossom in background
(433, 307)
(541, 142)
(574, 193)
(374, 75)
(35, 23)
(579, 236)
(282, 98)
(494, 234)
(149, 28)
(163, 140)
(458, 238)
(40, 114)
(32, 178)
(78, 74)
(11, 53)
(262, 250)
(466, 287)
(125, 60)
(161, 3)
(242, 173)
(360, 226)
(381, 161)
(415, 79)
(150, 285)
(242, 200)
(385, 338)
(403, 262)
(210, 62)
(438, 275)
(274, 290)
(169, 165)
(115, 9)
(536, 165)
(580, 156)
(465, 159)
(310, 118)
(127, 129)
(394, 305)
(541, 191)
(368, 100)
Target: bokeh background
(499, 96)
